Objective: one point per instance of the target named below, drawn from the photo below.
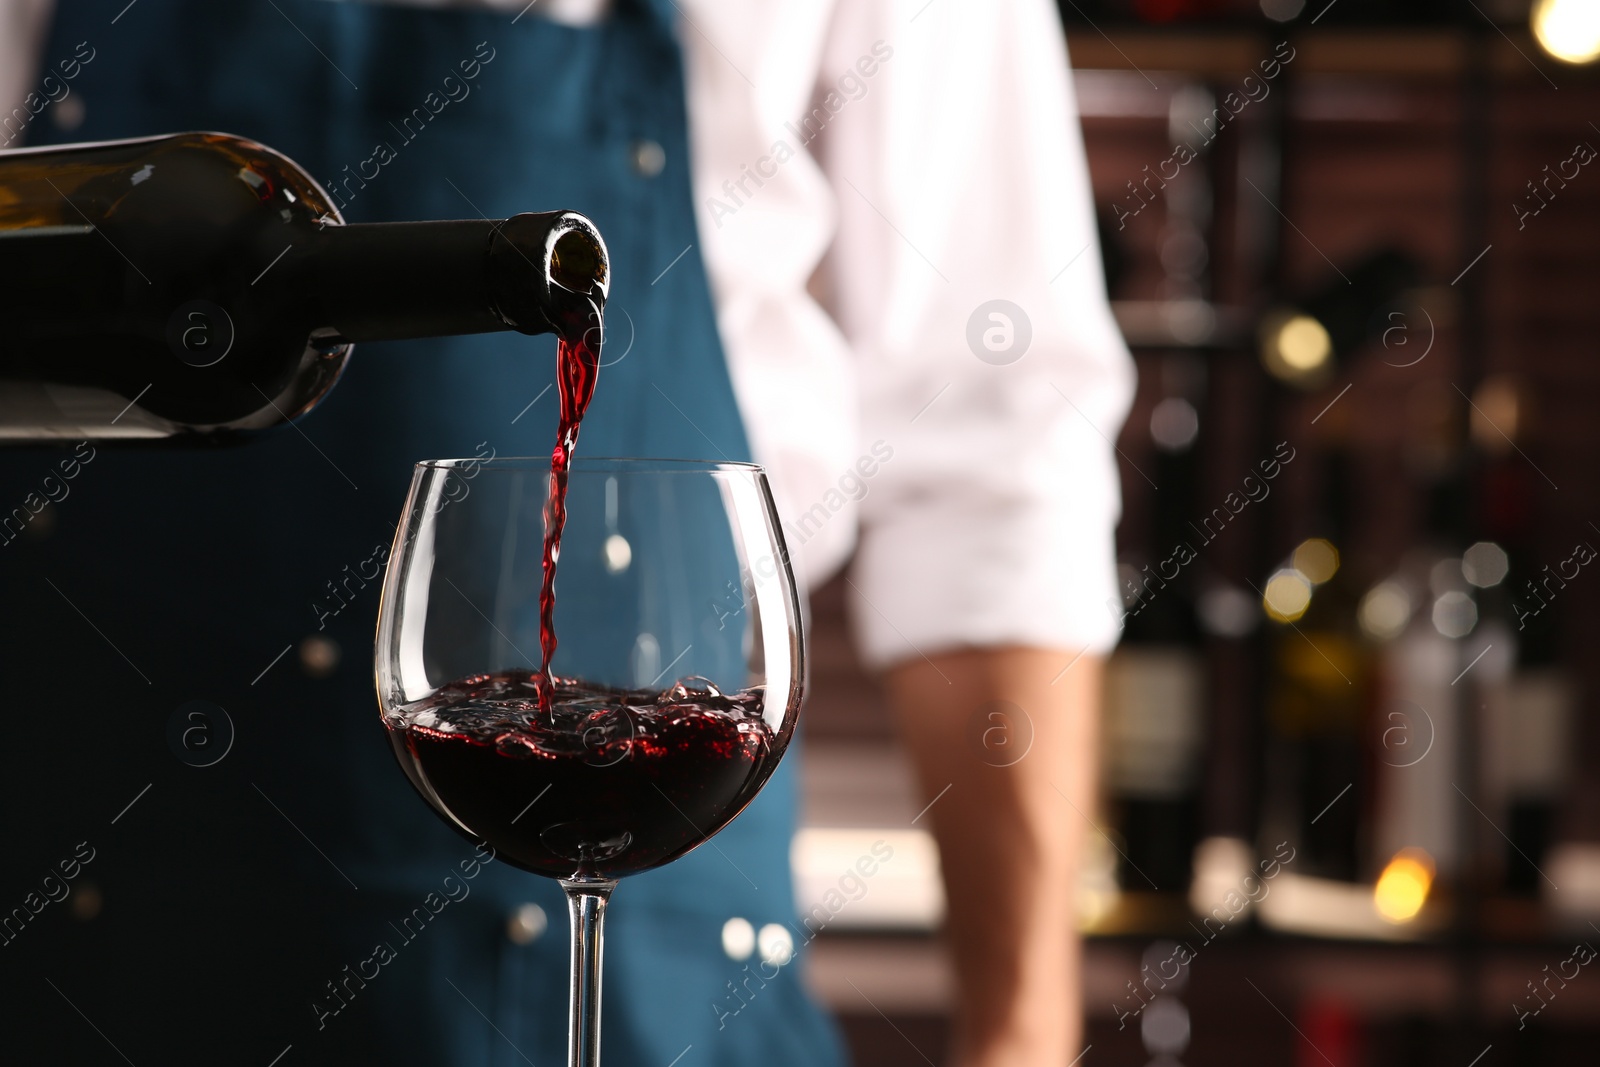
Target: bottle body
(1156, 706)
(205, 284)
(1321, 713)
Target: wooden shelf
(1421, 55)
(909, 975)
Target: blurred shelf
(1143, 915)
(910, 975)
(860, 802)
(1411, 54)
(1181, 324)
(867, 878)
(857, 783)
(1519, 920)
(1308, 909)
(1505, 923)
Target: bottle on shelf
(203, 284)
(1427, 631)
(1527, 737)
(1155, 681)
(1317, 774)
(1528, 693)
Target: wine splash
(564, 778)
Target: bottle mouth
(578, 262)
(546, 267)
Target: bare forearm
(1013, 738)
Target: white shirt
(925, 156)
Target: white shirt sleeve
(960, 179)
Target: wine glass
(671, 695)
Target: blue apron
(234, 911)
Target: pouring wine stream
(577, 370)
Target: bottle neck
(388, 281)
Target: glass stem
(586, 904)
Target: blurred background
(1346, 769)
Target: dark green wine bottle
(205, 284)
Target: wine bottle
(201, 283)
(1528, 713)
(1534, 714)
(1155, 681)
(1422, 724)
(1319, 703)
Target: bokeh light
(1296, 348)
(1568, 29)
(1174, 424)
(1404, 885)
(1385, 611)
(1455, 614)
(1485, 564)
(1317, 559)
(1287, 596)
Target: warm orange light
(1568, 29)
(1403, 886)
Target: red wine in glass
(591, 768)
(605, 783)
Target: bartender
(865, 227)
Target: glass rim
(598, 465)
